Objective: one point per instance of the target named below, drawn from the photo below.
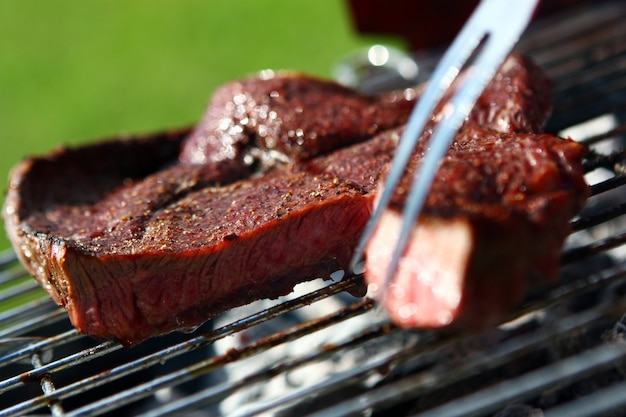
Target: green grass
(73, 71)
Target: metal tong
(487, 38)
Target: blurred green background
(73, 71)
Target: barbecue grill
(324, 352)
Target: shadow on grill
(323, 351)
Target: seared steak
(135, 243)
(496, 217)
(299, 117)
(493, 224)
(135, 239)
(144, 260)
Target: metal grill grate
(324, 352)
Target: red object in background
(423, 24)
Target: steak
(139, 260)
(493, 224)
(135, 241)
(494, 221)
(295, 116)
(143, 236)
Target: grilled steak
(495, 219)
(135, 243)
(136, 239)
(144, 259)
(296, 116)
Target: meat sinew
(135, 240)
(494, 222)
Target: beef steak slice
(212, 250)
(496, 217)
(133, 253)
(296, 116)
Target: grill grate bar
(338, 381)
(585, 55)
(608, 185)
(605, 135)
(550, 35)
(208, 396)
(426, 382)
(594, 248)
(203, 367)
(7, 257)
(39, 346)
(573, 68)
(597, 98)
(25, 311)
(437, 352)
(9, 275)
(559, 293)
(595, 160)
(525, 386)
(503, 353)
(30, 325)
(160, 356)
(42, 370)
(18, 290)
(559, 44)
(438, 379)
(265, 315)
(597, 403)
(600, 217)
(31, 308)
(600, 77)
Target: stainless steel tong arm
(487, 38)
